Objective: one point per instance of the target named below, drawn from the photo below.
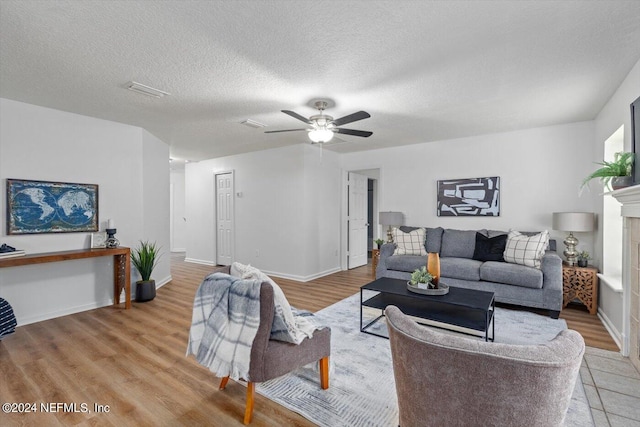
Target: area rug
(362, 388)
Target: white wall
(130, 167)
(614, 114)
(286, 220)
(179, 224)
(540, 173)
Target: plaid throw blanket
(7, 319)
(226, 315)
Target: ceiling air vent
(146, 90)
(252, 124)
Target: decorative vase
(582, 262)
(433, 267)
(618, 182)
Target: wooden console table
(121, 266)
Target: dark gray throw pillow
(490, 248)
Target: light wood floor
(134, 360)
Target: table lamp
(390, 219)
(572, 221)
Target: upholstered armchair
(449, 380)
(271, 359)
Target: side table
(375, 256)
(580, 283)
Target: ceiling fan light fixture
(321, 135)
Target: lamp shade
(573, 221)
(390, 218)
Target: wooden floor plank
(134, 360)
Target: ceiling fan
(323, 127)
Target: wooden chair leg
(248, 412)
(324, 373)
(224, 382)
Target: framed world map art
(51, 207)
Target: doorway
(361, 223)
(224, 220)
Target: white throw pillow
(526, 250)
(411, 243)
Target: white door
(224, 218)
(357, 218)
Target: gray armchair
(271, 359)
(448, 380)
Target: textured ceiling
(424, 70)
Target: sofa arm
(551, 267)
(552, 282)
(386, 251)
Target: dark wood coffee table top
(469, 298)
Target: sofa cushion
(411, 243)
(434, 239)
(511, 274)
(458, 243)
(408, 263)
(460, 268)
(526, 250)
(490, 248)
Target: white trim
(615, 334)
(200, 261)
(613, 282)
(178, 250)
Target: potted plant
(145, 258)
(615, 174)
(379, 242)
(583, 258)
(421, 278)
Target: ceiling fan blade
(284, 130)
(297, 116)
(362, 133)
(351, 118)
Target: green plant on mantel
(620, 166)
(145, 258)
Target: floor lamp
(390, 219)
(572, 221)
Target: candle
(112, 224)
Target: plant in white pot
(145, 258)
(421, 278)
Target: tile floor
(612, 385)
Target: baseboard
(161, 283)
(179, 250)
(608, 325)
(65, 312)
(199, 261)
(302, 278)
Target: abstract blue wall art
(51, 207)
(469, 197)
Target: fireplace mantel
(630, 199)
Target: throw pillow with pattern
(526, 250)
(411, 243)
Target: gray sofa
(511, 283)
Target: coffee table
(465, 308)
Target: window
(612, 222)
